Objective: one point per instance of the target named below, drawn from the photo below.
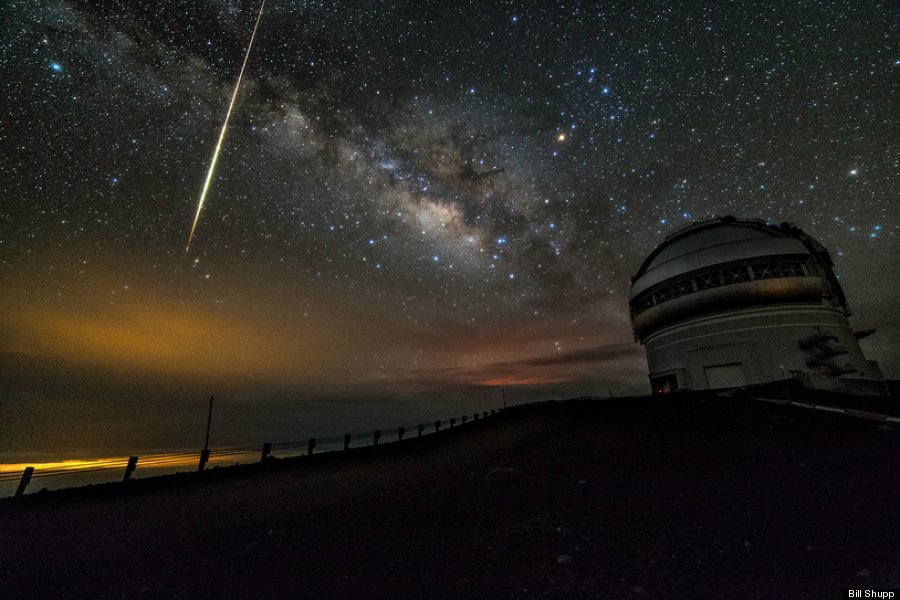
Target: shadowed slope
(664, 498)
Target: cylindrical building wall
(737, 348)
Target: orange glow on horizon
(159, 336)
(65, 465)
(76, 465)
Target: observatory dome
(729, 302)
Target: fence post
(421, 429)
(204, 458)
(484, 414)
(437, 426)
(129, 469)
(310, 446)
(26, 479)
(346, 441)
(400, 433)
(465, 418)
(452, 422)
(266, 451)
(376, 436)
(493, 412)
(475, 416)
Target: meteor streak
(215, 158)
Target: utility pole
(204, 456)
(503, 393)
(208, 422)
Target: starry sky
(416, 203)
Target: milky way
(419, 202)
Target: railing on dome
(721, 275)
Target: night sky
(416, 203)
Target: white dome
(713, 243)
(725, 263)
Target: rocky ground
(665, 498)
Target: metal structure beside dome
(726, 303)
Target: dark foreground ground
(689, 498)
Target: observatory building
(726, 303)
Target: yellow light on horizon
(75, 464)
(150, 461)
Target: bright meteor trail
(215, 158)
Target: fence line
(265, 451)
(325, 445)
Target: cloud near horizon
(559, 367)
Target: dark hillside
(657, 498)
